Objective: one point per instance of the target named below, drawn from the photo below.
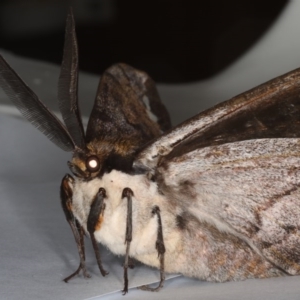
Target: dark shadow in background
(173, 40)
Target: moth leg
(131, 263)
(160, 247)
(127, 193)
(94, 221)
(80, 246)
(66, 194)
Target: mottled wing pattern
(271, 110)
(127, 106)
(236, 166)
(249, 188)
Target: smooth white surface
(37, 249)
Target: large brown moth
(169, 200)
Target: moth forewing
(247, 189)
(271, 110)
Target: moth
(216, 198)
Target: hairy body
(202, 231)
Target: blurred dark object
(173, 40)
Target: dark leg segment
(78, 232)
(131, 263)
(94, 222)
(160, 247)
(80, 246)
(127, 193)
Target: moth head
(101, 156)
(86, 164)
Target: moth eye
(92, 163)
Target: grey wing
(271, 110)
(236, 166)
(248, 188)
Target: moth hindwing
(216, 198)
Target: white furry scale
(195, 248)
(144, 224)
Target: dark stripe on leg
(96, 212)
(66, 195)
(160, 247)
(127, 193)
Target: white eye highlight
(92, 163)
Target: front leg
(94, 222)
(66, 194)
